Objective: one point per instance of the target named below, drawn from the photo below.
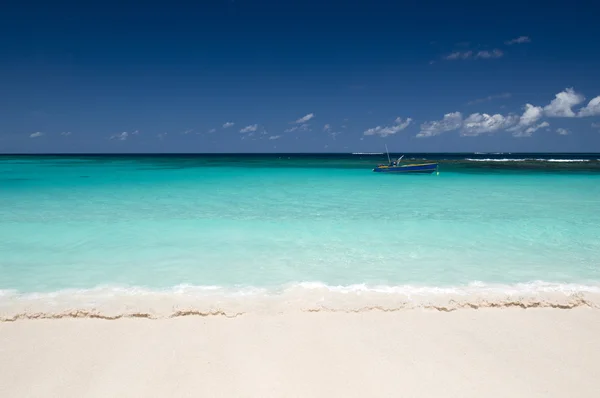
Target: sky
(299, 76)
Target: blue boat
(396, 167)
(423, 168)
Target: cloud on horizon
(562, 104)
(384, 131)
(530, 116)
(591, 109)
(450, 122)
(521, 126)
(482, 123)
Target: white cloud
(592, 108)
(530, 116)
(529, 131)
(521, 126)
(384, 131)
(274, 137)
(518, 40)
(212, 131)
(495, 53)
(562, 103)
(161, 136)
(65, 133)
(185, 132)
(458, 55)
(533, 129)
(328, 129)
(228, 124)
(482, 123)
(305, 119)
(451, 121)
(36, 134)
(302, 127)
(489, 98)
(249, 129)
(121, 137)
(135, 132)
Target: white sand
(410, 353)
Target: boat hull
(427, 168)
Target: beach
(276, 199)
(545, 352)
(299, 276)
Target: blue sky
(299, 76)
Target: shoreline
(206, 303)
(538, 352)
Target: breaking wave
(529, 160)
(496, 160)
(185, 300)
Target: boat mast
(388, 154)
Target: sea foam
(528, 160)
(117, 302)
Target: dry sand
(510, 352)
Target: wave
(114, 302)
(529, 160)
(497, 160)
(564, 160)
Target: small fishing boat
(396, 167)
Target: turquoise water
(162, 222)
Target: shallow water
(271, 222)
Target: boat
(396, 167)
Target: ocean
(212, 231)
